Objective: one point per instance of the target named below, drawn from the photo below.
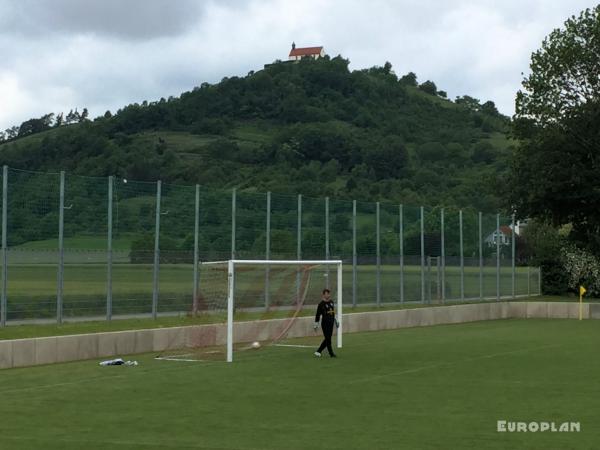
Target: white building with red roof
(297, 54)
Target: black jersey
(326, 310)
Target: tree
(431, 151)
(12, 132)
(409, 79)
(428, 87)
(483, 152)
(84, 115)
(554, 175)
(389, 158)
(468, 102)
(33, 126)
(70, 118)
(564, 72)
(542, 244)
(489, 108)
(387, 67)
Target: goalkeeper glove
(337, 324)
(316, 325)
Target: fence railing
(87, 248)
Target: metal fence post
(497, 257)
(378, 251)
(422, 255)
(4, 249)
(528, 281)
(299, 244)
(299, 229)
(439, 279)
(326, 228)
(354, 258)
(327, 240)
(462, 256)
(268, 251)
(513, 273)
(443, 256)
(233, 213)
(401, 239)
(480, 256)
(156, 252)
(196, 256)
(109, 250)
(428, 279)
(61, 253)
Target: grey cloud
(123, 19)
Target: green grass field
(442, 387)
(119, 243)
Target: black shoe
(333, 355)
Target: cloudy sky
(103, 54)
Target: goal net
(251, 304)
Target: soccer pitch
(442, 387)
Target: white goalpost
(246, 289)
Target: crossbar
(330, 262)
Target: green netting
(134, 214)
(471, 244)
(488, 224)
(432, 232)
(33, 216)
(176, 272)
(451, 271)
(412, 254)
(366, 251)
(432, 246)
(215, 225)
(506, 272)
(85, 246)
(313, 228)
(2, 266)
(452, 236)
(284, 226)
(340, 236)
(32, 239)
(251, 225)
(389, 222)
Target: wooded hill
(314, 128)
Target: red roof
(506, 230)
(306, 51)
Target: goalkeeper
(326, 312)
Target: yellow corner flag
(582, 291)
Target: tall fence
(77, 247)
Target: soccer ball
(256, 344)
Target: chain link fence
(77, 248)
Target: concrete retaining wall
(49, 350)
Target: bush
(581, 269)
(554, 278)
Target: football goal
(250, 304)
